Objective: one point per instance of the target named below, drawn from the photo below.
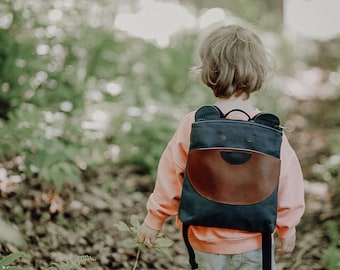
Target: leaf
(130, 243)
(11, 258)
(142, 247)
(135, 221)
(134, 230)
(122, 226)
(14, 268)
(165, 253)
(71, 264)
(57, 177)
(45, 174)
(61, 266)
(164, 242)
(331, 257)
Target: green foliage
(329, 170)
(162, 90)
(9, 233)
(51, 149)
(331, 255)
(42, 93)
(144, 143)
(70, 264)
(162, 243)
(5, 263)
(67, 70)
(329, 167)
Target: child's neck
(228, 104)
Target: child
(234, 64)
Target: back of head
(234, 61)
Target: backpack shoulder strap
(266, 251)
(191, 251)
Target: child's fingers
(281, 251)
(145, 241)
(149, 243)
(285, 249)
(147, 236)
(287, 245)
(140, 238)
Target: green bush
(331, 255)
(53, 147)
(329, 167)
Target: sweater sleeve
(164, 200)
(291, 204)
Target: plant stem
(137, 259)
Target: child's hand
(147, 236)
(287, 245)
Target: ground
(85, 225)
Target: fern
(70, 264)
(161, 242)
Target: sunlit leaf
(7, 260)
(130, 243)
(122, 226)
(165, 253)
(14, 268)
(135, 221)
(164, 242)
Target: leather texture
(246, 183)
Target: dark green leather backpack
(232, 176)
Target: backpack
(232, 176)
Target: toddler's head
(234, 61)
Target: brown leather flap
(213, 177)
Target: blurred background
(91, 92)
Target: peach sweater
(164, 201)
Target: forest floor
(89, 210)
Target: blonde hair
(234, 61)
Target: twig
(137, 259)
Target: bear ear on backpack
(268, 119)
(208, 113)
